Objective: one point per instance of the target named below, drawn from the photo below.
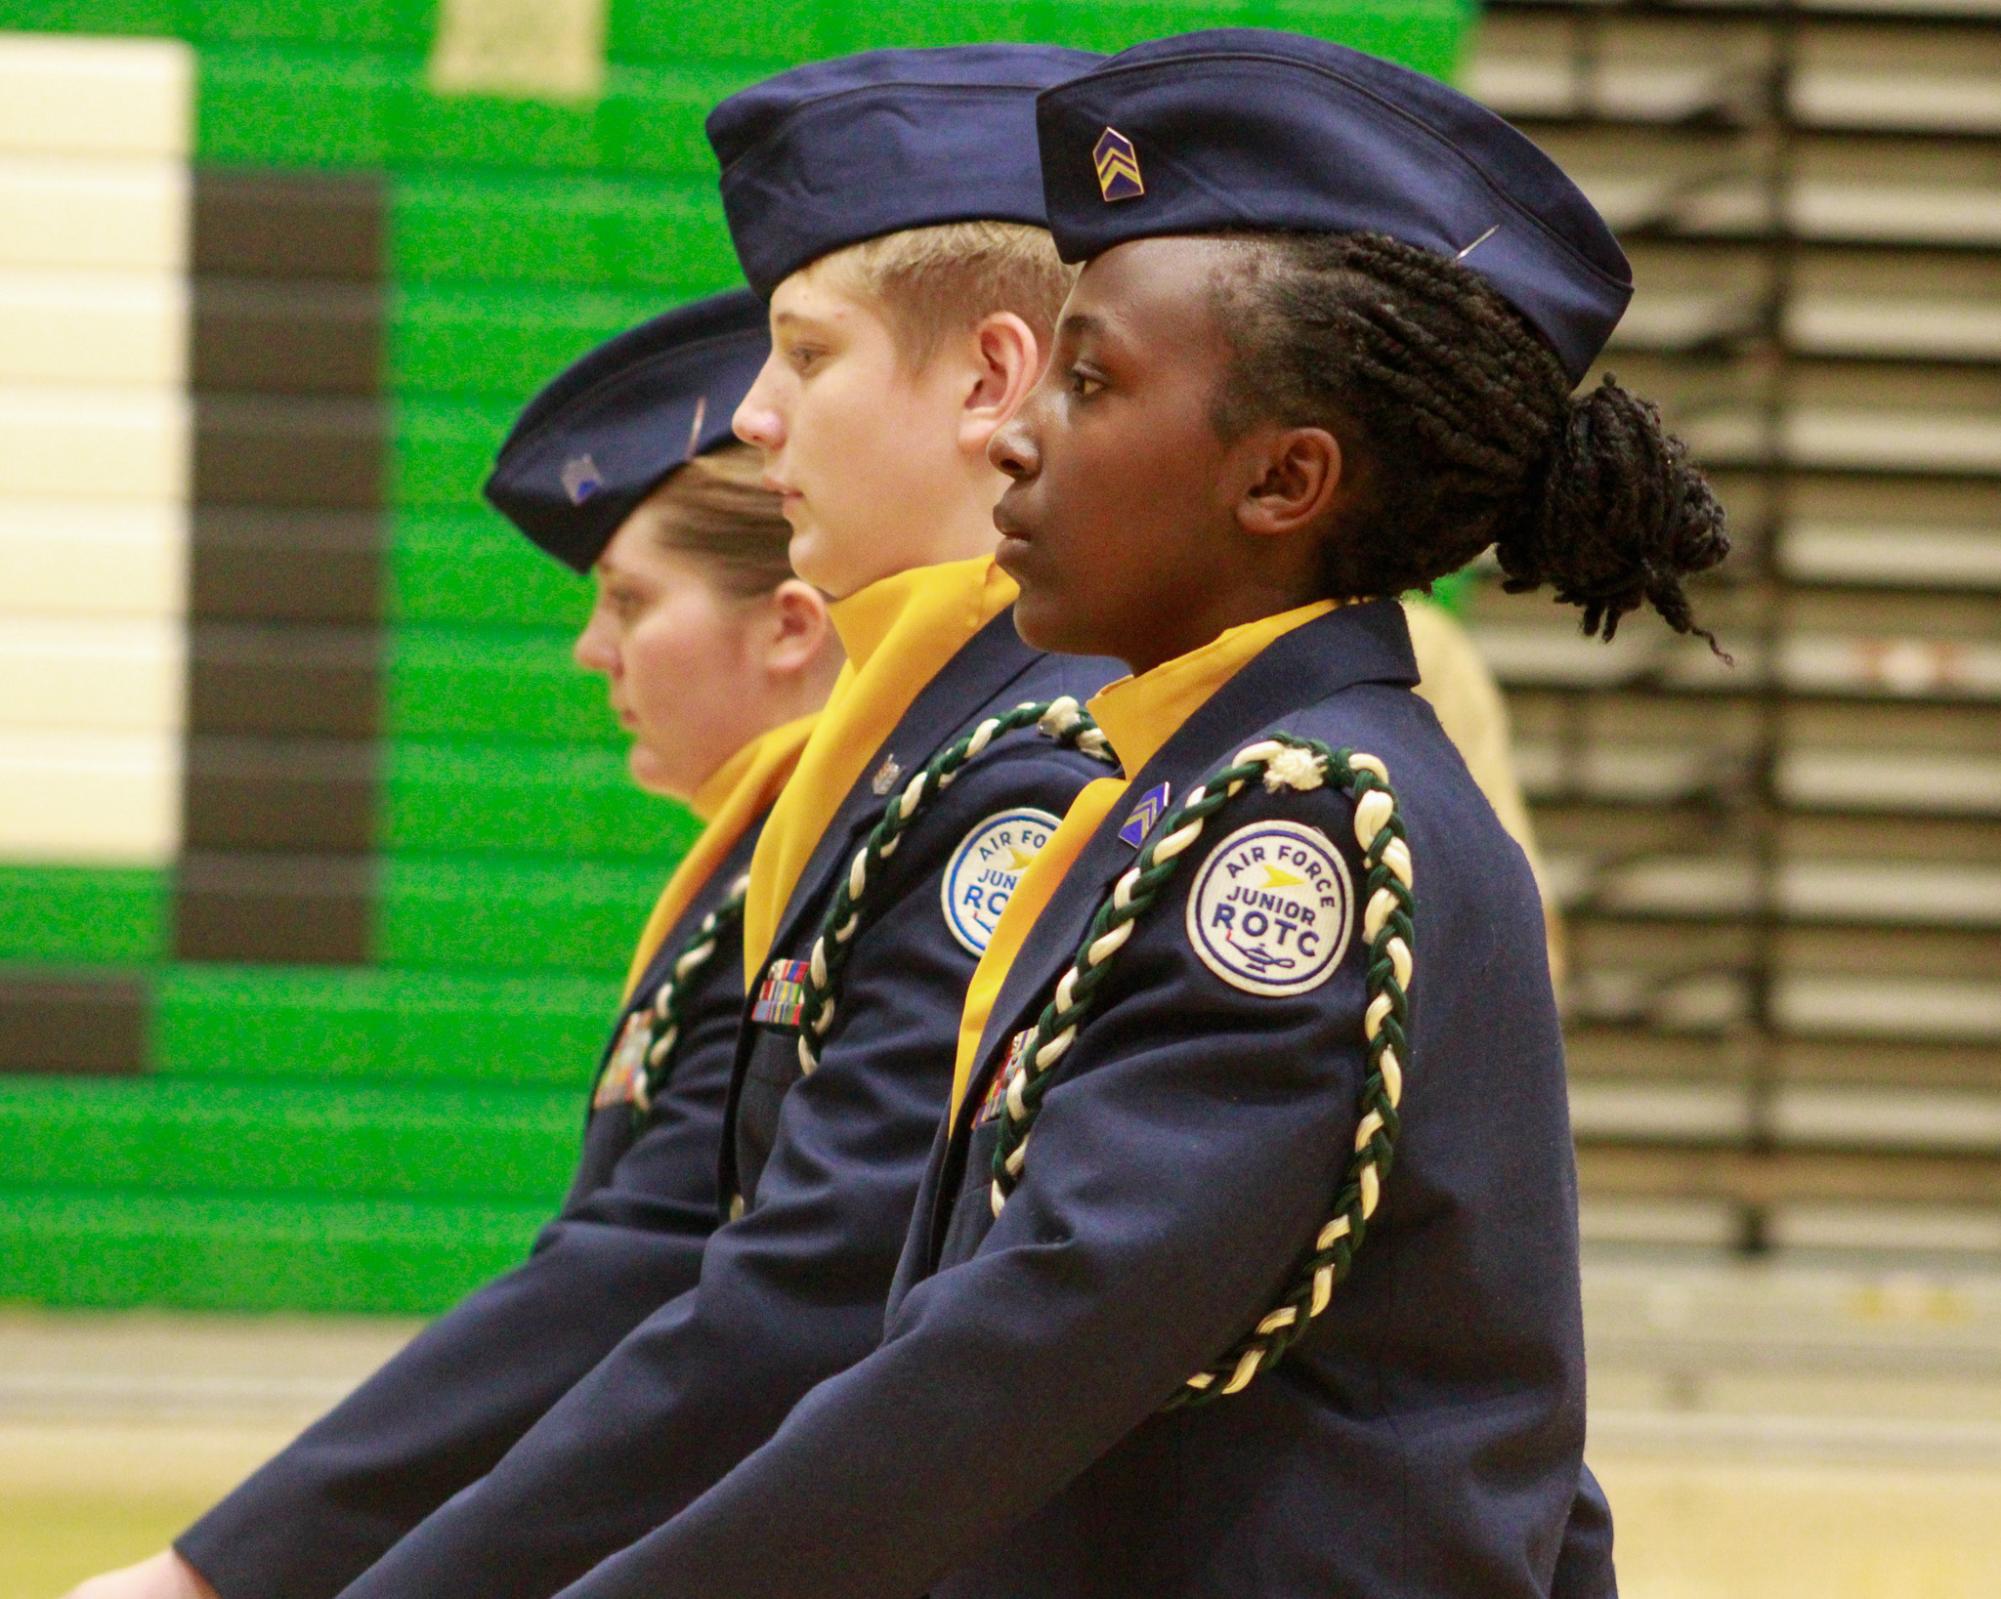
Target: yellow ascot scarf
(899, 634)
(738, 792)
(1139, 715)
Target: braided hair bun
(1460, 430)
(1622, 516)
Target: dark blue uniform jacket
(793, 1291)
(1006, 1441)
(438, 1416)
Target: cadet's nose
(757, 421)
(1012, 449)
(593, 650)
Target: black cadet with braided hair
(1462, 429)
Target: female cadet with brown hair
(1246, 1264)
(715, 658)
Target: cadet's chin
(1046, 620)
(806, 553)
(820, 558)
(655, 775)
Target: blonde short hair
(930, 283)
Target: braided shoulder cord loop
(1281, 761)
(663, 1022)
(1061, 719)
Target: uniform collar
(926, 610)
(741, 790)
(1294, 659)
(900, 633)
(1140, 714)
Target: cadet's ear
(800, 631)
(1295, 476)
(1007, 359)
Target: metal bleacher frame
(1783, 880)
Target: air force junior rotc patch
(1273, 908)
(980, 877)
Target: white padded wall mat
(114, 675)
(93, 329)
(63, 95)
(103, 799)
(81, 558)
(95, 446)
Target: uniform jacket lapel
(712, 893)
(973, 679)
(1356, 644)
(980, 672)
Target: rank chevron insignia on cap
(1151, 807)
(1118, 167)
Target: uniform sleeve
(451, 1403)
(790, 1294)
(1179, 1170)
(1584, 1564)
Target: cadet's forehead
(1150, 287)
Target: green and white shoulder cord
(1061, 719)
(664, 1011)
(1282, 762)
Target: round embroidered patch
(980, 877)
(1273, 909)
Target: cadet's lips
(1007, 518)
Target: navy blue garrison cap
(835, 152)
(608, 431)
(1244, 128)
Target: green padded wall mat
(382, 1257)
(329, 1053)
(379, 1026)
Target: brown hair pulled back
(1461, 431)
(714, 511)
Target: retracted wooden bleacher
(1783, 880)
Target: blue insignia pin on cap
(1242, 128)
(835, 152)
(609, 430)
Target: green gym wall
(319, 865)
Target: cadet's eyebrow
(1082, 322)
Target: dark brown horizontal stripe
(79, 1024)
(305, 795)
(291, 225)
(305, 910)
(290, 451)
(292, 440)
(279, 679)
(254, 565)
(305, 337)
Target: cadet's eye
(1083, 383)
(803, 357)
(625, 603)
